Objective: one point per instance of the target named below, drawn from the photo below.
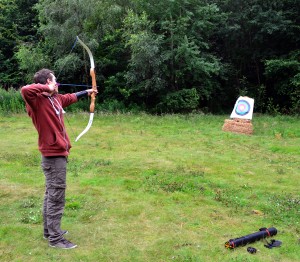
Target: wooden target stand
(240, 126)
(241, 117)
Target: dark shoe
(64, 232)
(64, 244)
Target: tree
(144, 76)
(178, 37)
(17, 24)
(157, 55)
(256, 31)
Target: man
(45, 106)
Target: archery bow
(94, 87)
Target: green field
(155, 188)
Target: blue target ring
(242, 108)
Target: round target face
(242, 108)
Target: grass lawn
(155, 188)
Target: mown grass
(155, 188)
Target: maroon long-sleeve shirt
(46, 112)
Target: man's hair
(41, 76)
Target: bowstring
(62, 67)
(66, 117)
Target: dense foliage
(160, 56)
(18, 26)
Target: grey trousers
(54, 169)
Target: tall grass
(11, 101)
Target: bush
(183, 101)
(11, 101)
(284, 77)
(112, 105)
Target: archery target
(243, 108)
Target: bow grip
(94, 87)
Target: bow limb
(94, 87)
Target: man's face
(52, 81)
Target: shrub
(185, 100)
(11, 101)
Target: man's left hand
(90, 91)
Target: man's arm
(85, 93)
(69, 99)
(30, 92)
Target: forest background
(171, 56)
